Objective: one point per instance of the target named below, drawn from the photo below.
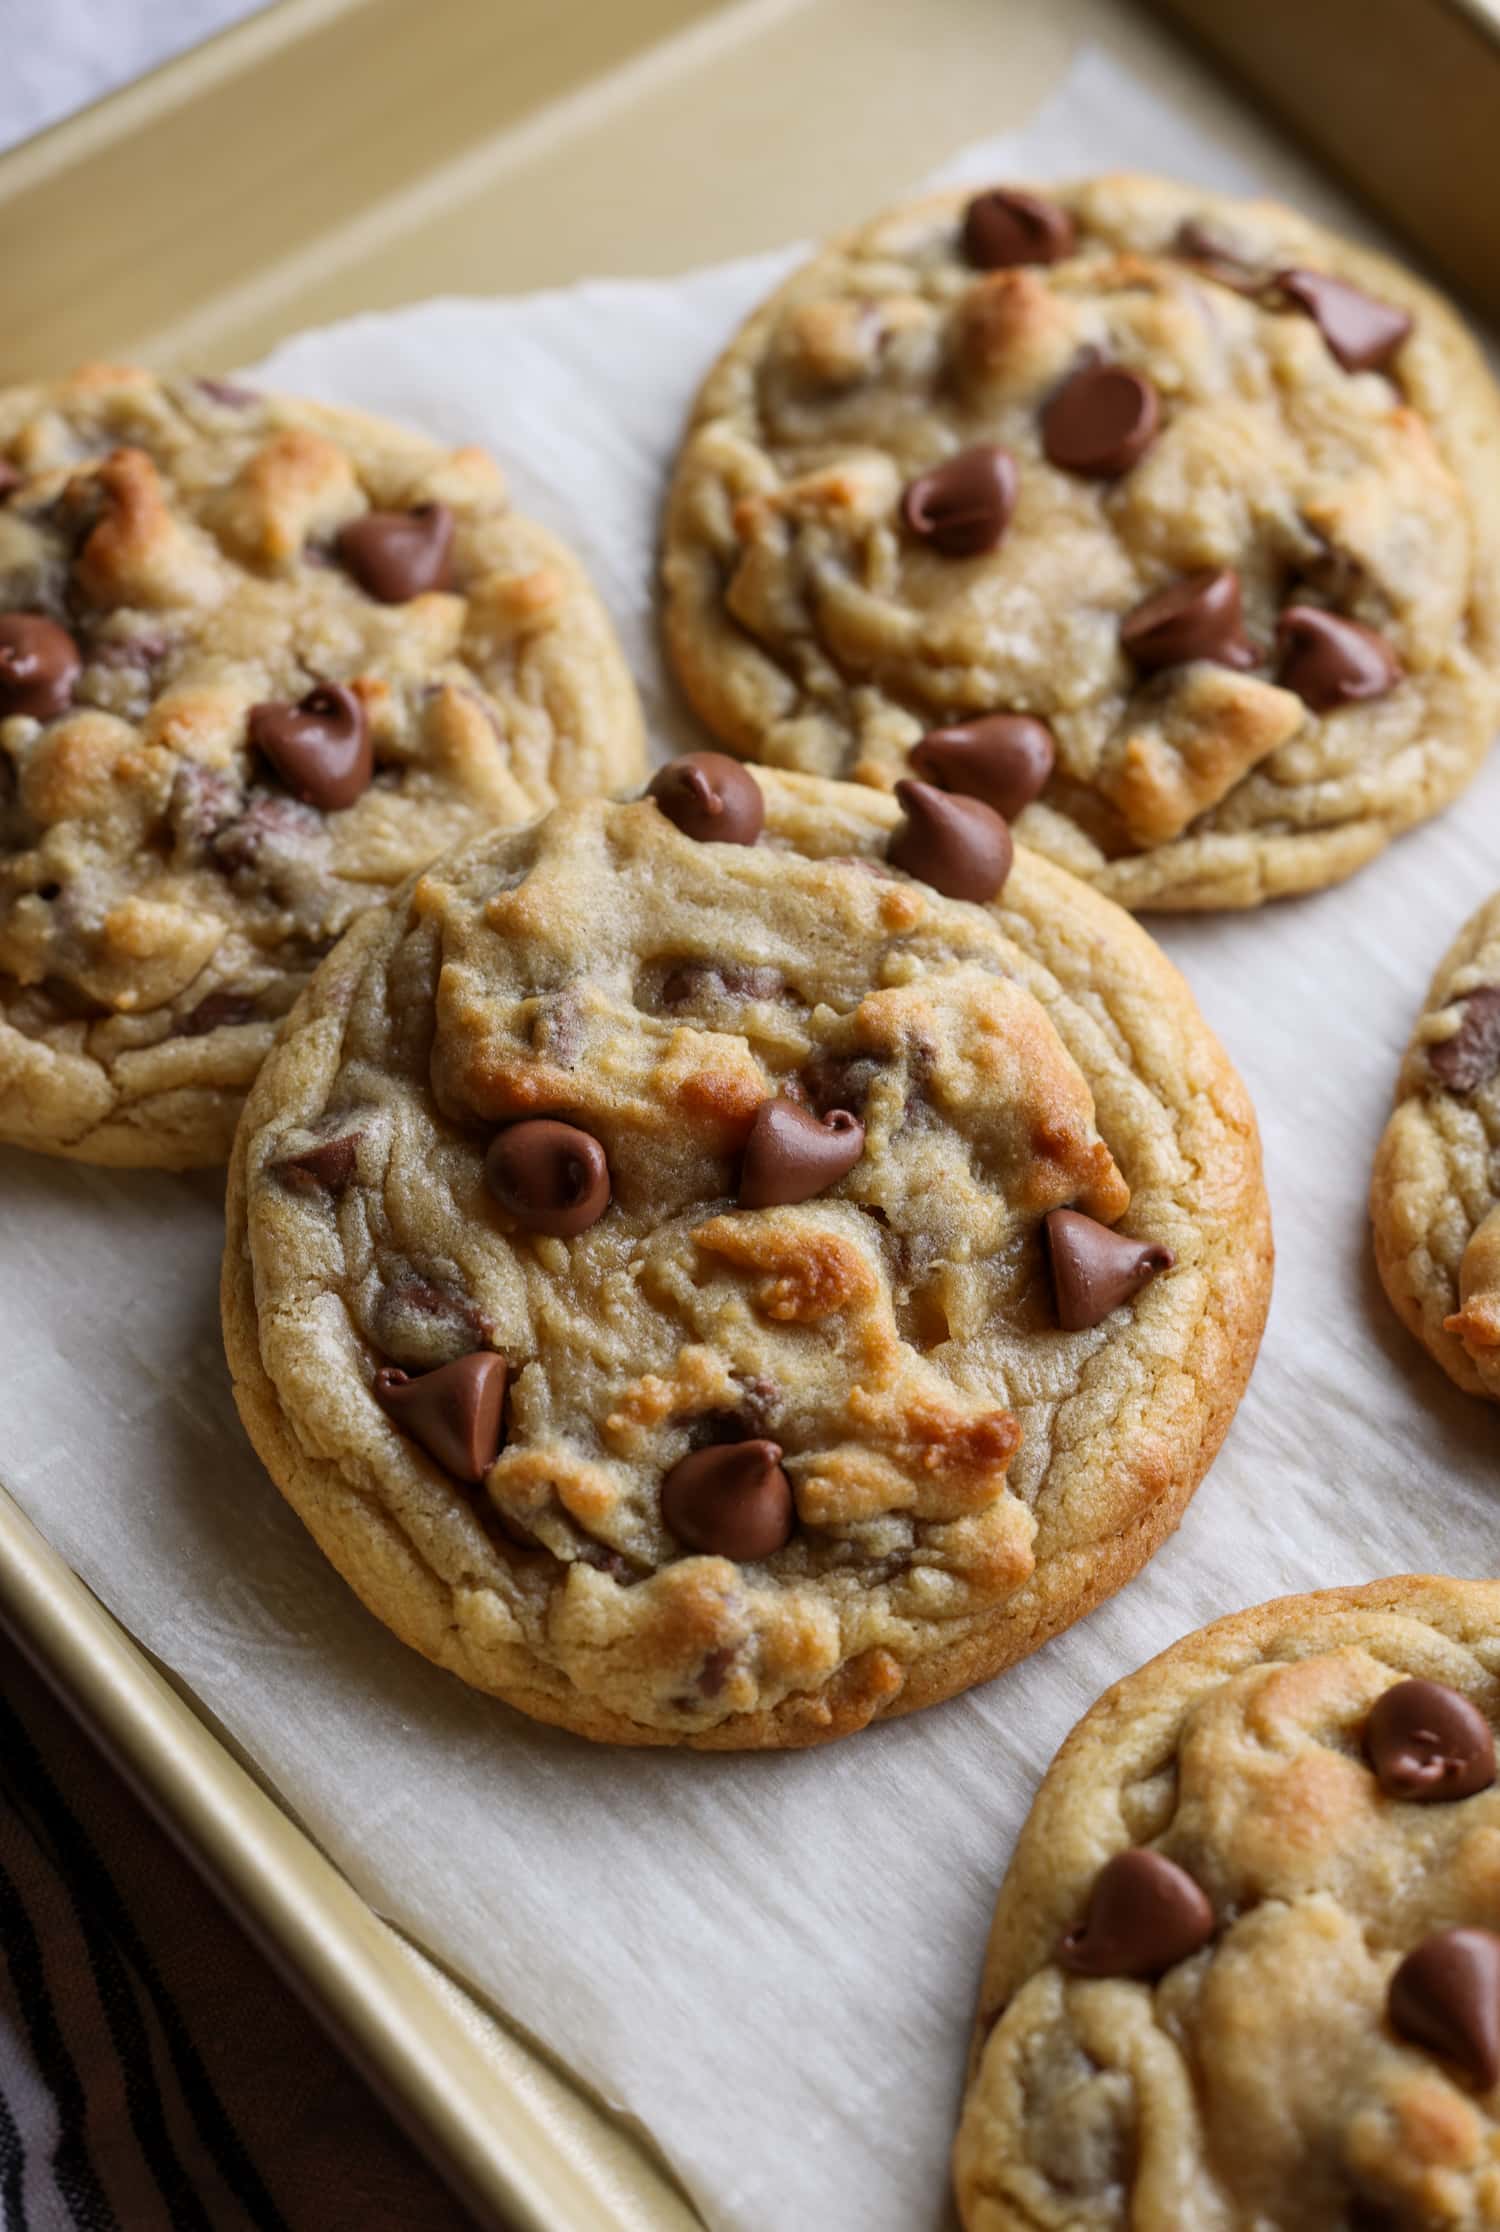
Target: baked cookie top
(874, 1271)
(1434, 1197)
(259, 660)
(1244, 1969)
(1168, 521)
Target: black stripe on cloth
(76, 2179)
(95, 1897)
(12, 2172)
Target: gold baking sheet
(337, 155)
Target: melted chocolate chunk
(1330, 661)
(326, 1168)
(39, 666)
(1094, 1270)
(1428, 1743)
(1362, 332)
(791, 1154)
(1445, 1996)
(1472, 1054)
(710, 798)
(1004, 758)
(1101, 421)
(551, 1177)
(963, 507)
(1004, 226)
(395, 556)
(1145, 1914)
(733, 1501)
(1198, 617)
(320, 747)
(958, 845)
(456, 1413)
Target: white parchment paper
(769, 1961)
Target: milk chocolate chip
(325, 1168)
(711, 798)
(730, 1501)
(1198, 617)
(1144, 1915)
(1094, 1270)
(1446, 1996)
(792, 1154)
(1473, 1052)
(455, 1413)
(320, 747)
(396, 555)
(962, 508)
(1427, 1742)
(958, 845)
(39, 666)
(1101, 421)
(1003, 758)
(1362, 332)
(1330, 661)
(1004, 226)
(551, 1176)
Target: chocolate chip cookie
(259, 661)
(721, 1267)
(1244, 1969)
(1167, 522)
(1435, 1196)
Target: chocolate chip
(552, 1177)
(1094, 1270)
(1330, 661)
(1005, 226)
(11, 478)
(39, 666)
(733, 1501)
(216, 1012)
(1003, 758)
(456, 1412)
(1473, 1052)
(958, 845)
(325, 1168)
(320, 747)
(1425, 1741)
(271, 829)
(1362, 332)
(1198, 617)
(1101, 421)
(1218, 258)
(710, 798)
(962, 508)
(692, 982)
(1446, 1996)
(792, 1154)
(396, 555)
(1144, 1915)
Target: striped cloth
(154, 2074)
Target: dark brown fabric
(155, 2075)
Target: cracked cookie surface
(1435, 1194)
(771, 1471)
(1179, 398)
(1294, 2070)
(206, 597)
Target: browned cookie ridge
(259, 661)
(1201, 491)
(720, 1148)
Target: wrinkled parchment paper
(768, 1961)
